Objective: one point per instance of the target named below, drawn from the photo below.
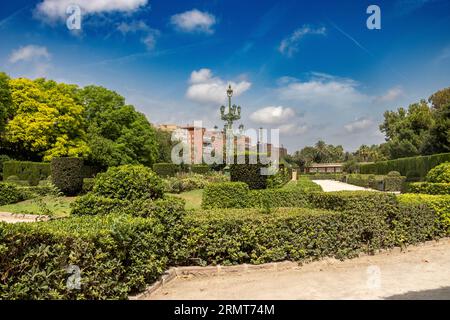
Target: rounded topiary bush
(394, 174)
(440, 173)
(129, 182)
(67, 175)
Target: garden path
(332, 185)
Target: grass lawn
(193, 198)
(59, 206)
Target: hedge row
(166, 169)
(247, 236)
(115, 254)
(439, 203)
(250, 174)
(26, 170)
(429, 188)
(413, 167)
(389, 182)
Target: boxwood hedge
(10, 194)
(429, 188)
(67, 175)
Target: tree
(439, 136)
(165, 145)
(5, 100)
(44, 120)
(406, 131)
(118, 134)
(440, 98)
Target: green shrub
(200, 168)
(66, 175)
(429, 188)
(166, 169)
(236, 236)
(3, 158)
(394, 181)
(250, 174)
(359, 201)
(116, 255)
(421, 165)
(129, 182)
(440, 173)
(412, 176)
(439, 203)
(303, 184)
(279, 179)
(225, 195)
(10, 194)
(26, 170)
(277, 198)
(88, 185)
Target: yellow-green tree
(46, 121)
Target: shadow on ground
(434, 294)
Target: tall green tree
(5, 100)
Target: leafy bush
(277, 198)
(67, 175)
(440, 173)
(421, 165)
(412, 176)
(359, 201)
(394, 181)
(166, 169)
(88, 185)
(3, 158)
(129, 182)
(429, 188)
(279, 179)
(10, 194)
(225, 195)
(234, 236)
(116, 255)
(200, 168)
(439, 203)
(303, 184)
(391, 182)
(184, 182)
(26, 170)
(250, 174)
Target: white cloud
(391, 95)
(289, 45)
(324, 91)
(56, 9)
(292, 129)
(205, 88)
(29, 53)
(273, 115)
(358, 125)
(150, 35)
(194, 21)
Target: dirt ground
(14, 218)
(419, 272)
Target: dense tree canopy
(319, 153)
(42, 119)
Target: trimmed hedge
(88, 185)
(10, 194)
(440, 173)
(200, 168)
(67, 175)
(250, 174)
(390, 182)
(406, 166)
(248, 236)
(303, 184)
(166, 169)
(439, 203)
(225, 195)
(26, 170)
(429, 188)
(117, 255)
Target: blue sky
(311, 68)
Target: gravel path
(14, 218)
(332, 185)
(419, 272)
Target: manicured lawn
(193, 198)
(58, 206)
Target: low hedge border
(429, 188)
(10, 193)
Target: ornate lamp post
(234, 113)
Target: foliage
(429, 188)
(236, 236)
(3, 158)
(225, 195)
(421, 164)
(165, 145)
(116, 255)
(88, 185)
(250, 174)
(440, 173)
(67, 174)
(319, 153)
(26, 170)
(10, 194)
(439, 203)
(278, 179)
(200, 168)
(350, 166)
(129, 182)
(166, 169)
(46, 120)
